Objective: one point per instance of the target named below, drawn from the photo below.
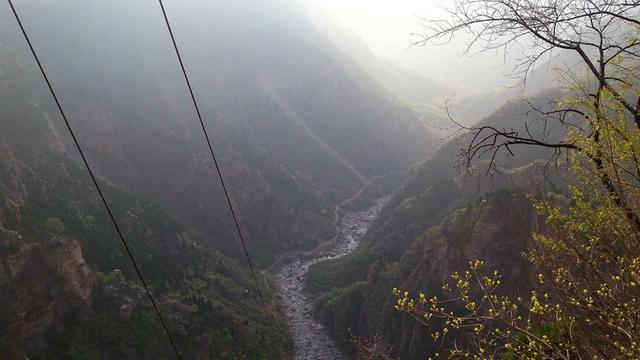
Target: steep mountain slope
(67, 288)
(283, 114)
(295, 134)
(434, 224)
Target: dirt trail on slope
(299, 121)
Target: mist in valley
(291, 178)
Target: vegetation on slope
(439, 219)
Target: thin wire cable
(95, 182)
(213, 156)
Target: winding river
(311, 340)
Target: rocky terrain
(311, 340)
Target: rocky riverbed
(312, 341)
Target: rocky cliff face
(40, 284)
(42, 276)
(496, 228)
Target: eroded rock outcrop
(40, 282)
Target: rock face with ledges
(40, 281)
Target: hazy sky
(386, 25)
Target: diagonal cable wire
(95, 182)
(213, 156)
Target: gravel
(311, 339)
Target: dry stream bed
(311, 340)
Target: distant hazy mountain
(473, 107)
(403, 84)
